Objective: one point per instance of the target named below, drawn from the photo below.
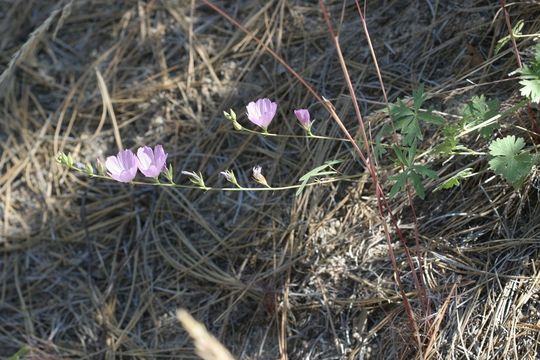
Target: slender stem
(234, 189)
(293, 136)
(511, 32)
(422, 289)
(382, 202)
(309, 136)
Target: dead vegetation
(96, 269)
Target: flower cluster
(152, 162)
(123, 167)
(262, 112)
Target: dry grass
(95, 269)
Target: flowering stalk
(62, 160)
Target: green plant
(509, 160)
(412, 172)
(407, 119)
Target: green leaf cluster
(475, 113)
(510, 161)
(407, 119)
(412, 172)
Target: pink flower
(122, 167)
(303, 116)
(151, 162)
(261, 112)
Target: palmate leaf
(530, 77)
(530, 82)
(413, 175)
(406, 122)
(510, 160)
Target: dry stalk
(206, 345)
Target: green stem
(239, 188)
(292, 136)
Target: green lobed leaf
(406, 122)
(510, 160)
(507, 146)
(530, 82)
(530, 77)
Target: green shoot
(516, 32)
(407, 120)
(455, 180)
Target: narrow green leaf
(318, 171)
(419, 97)
(399, 185)
(430, 117)
(425, 171)
(417, 184)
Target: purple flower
(303, 116)
(261, 112)
(122, 167)
(151, 162)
